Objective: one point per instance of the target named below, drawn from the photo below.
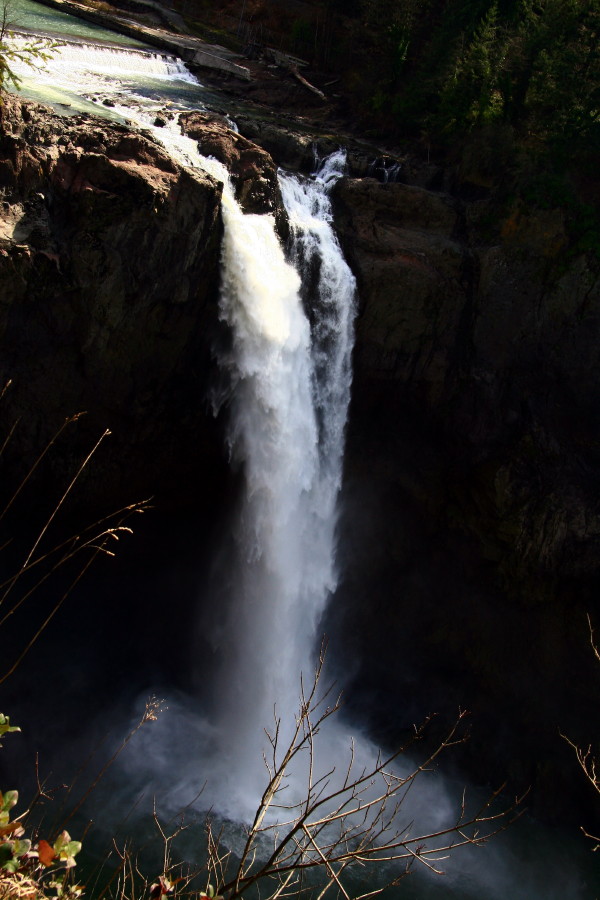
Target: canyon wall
(472, 523)
(109, 260)
(470, 527)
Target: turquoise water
(36, 17)
(93, 69)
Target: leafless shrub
(585, 755)
(339, 824)
(44, 557)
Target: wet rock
(292, 149)
(253, 172)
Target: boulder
(292, 149)
(253, 172)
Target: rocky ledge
(252, 169)
(109, 262)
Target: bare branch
(334, 827)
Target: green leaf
(5, 726)
(61, 841)
(71, 849)
(20, 848)
(67, 849)
(11, 866)
(8, 800)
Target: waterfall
(292, 385)
(291, 323)
(290, 318)
(290, 313)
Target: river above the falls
(96, 68)
(528, 864)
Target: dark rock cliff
(109, 261)
(472, 520)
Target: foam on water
(91, 71)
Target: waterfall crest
(86, 62)
(78, 73)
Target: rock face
(471, 528)
(109, 261)
(472, 519)
(297, 148)
(401, 242)
(253, 171)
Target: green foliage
(451, 66)
(564, 89)
(33, 52)
(470, 96)
(5, 726)
(12, 847)
(17, 856)
(64, 850)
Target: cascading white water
(290, 392)
(317, 253)
(292, 387)
(87, 62)
(91, 72)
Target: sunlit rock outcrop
(252, 170)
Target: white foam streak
(89, 68)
